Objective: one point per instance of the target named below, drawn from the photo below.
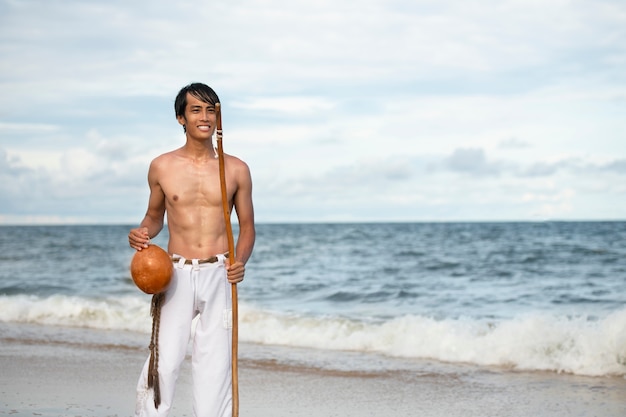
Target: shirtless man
(185, 184)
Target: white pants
(195, 290)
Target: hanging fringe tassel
(153, 367)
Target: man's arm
(242, 202)
(245, 215)
(152, 222)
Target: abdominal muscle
(198, 233)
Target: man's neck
(199, 149)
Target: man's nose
(205, 114)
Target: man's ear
(183, 122)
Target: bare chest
(190, 185)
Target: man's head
(198, 90)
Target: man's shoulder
(164, 158)
(236, 161)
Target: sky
(344, 110)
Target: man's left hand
(235, 272)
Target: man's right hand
(138, 238)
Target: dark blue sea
(546, 296)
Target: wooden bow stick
(231, 257)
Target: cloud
(7, 128)
(346, 110)
(289, 105)
(82, 187)
(470, 161)
(513, 143)
(617, 166)
(21, 188)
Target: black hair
(198, 90)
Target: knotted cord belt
(153, 368)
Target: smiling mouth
(204, 128)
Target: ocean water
(547, 296)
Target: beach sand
(64, 379)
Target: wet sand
(61, 379)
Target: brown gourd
(151, 269)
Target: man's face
(199, 118)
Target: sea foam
(535, 342)
(129, 313)
(574, 345)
